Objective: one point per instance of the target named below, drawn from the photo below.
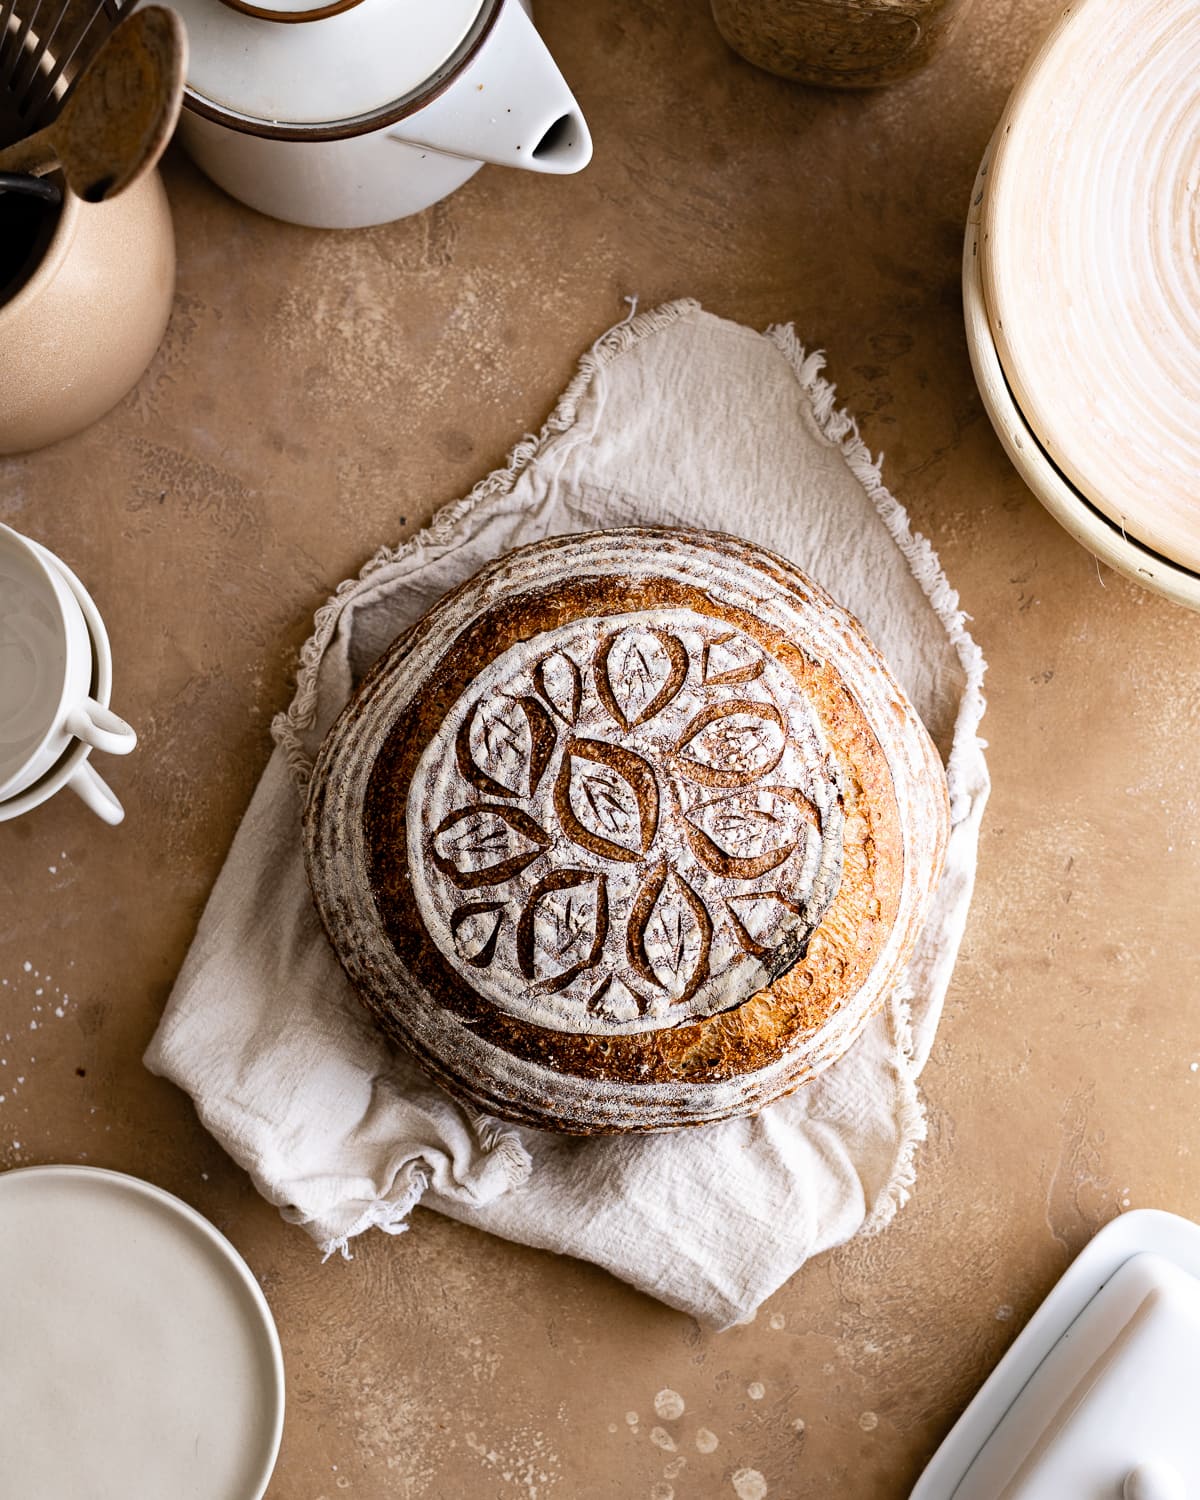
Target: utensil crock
(79, 331)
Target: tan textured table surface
(318, 394)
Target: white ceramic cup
(51, 718)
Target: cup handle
(91, 788)
(99, 727)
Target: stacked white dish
(1081, 284)
(55, 685)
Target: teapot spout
(564, 146)
(510, 105)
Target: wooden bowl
(1087, 261)
(1085, 522)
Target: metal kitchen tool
(40, 45)
(1096, 1399)
(120, 113)
(32, 187)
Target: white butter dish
(1096, 1398)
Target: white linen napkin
(675, 417)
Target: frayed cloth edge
(502, 1141)
(841, 429)
(911, 1124)
(389, 1214)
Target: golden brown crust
(784, 1032)
(719, 1046)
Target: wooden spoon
(120, 111)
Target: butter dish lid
(309, 63)
(1090, 221)
(1113, 1405)
(1096, 1398)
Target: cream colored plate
(1091, 260)
(140, 1360)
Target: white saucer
(73, 762)
(140, 1359)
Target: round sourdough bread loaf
(633, 830)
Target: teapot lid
(306, 67)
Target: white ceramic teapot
(341, 113)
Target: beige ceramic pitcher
(78, 331)
(85, 295)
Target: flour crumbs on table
(748, 1484)
(46, 994)
(669, 1405)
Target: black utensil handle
(32, 187)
